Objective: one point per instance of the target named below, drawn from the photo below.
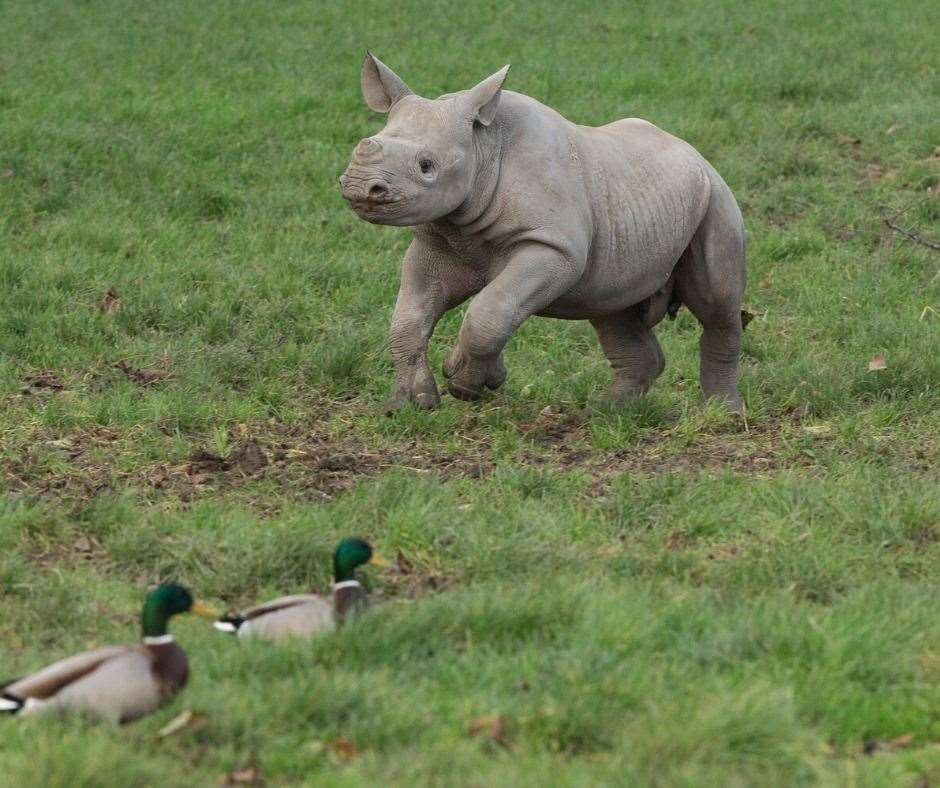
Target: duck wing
(53, 678)
(282, 603)
(115, 682)
(121, 689)
(299, 615)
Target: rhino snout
(371, 190)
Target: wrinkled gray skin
(534, 215)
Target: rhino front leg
(494, 374)
(535, 276)
(633, 351)
(430, 285)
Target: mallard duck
(303, 615)
(120, 683)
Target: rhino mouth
(372, 210)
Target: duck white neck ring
(157, 640)
(347, 584)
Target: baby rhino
(511, 203)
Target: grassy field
(192, 360)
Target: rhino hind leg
(633, 351)
(710, 281)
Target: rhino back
(648, 192)
(626, 198)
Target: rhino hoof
(467, 395)
(424, 401)
(427, 401)
(393, 405)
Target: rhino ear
(484, 98)
(381, 87)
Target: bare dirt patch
(42, 382)
(268, 462)
(309, 463)
(564, 440)
(80, 550)
(413, 576)
(303, 462)
(142, 377)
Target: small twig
(798, 201)
(468, 438)
(911, 235)
(899, 213)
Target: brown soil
(309, 461)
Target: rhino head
(422, 165)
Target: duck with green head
(120, 683)
(304, 615)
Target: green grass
(653, 596)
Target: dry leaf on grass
(818, 429)
(7, 173)
(186, 719)
(902, 742)
(847, 139)
(343, 748)
(142, 377)
(675, 540)
(159, 476)
(111, 302)
(877, 172)
(82, 545)
(492, 726)
(877, 363)
(246, 775)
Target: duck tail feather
(10, 704)
(229, 623)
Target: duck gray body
(298, 615)
(529, 214)
(120, 683)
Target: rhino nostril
(378, 192)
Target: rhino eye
(426, 166)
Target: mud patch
(563, 440)
(306, 463)
(42, 382)
(413, 576)
(268, 463)
(90, 457)
(82, 549)
(553, 429)
(142, 377)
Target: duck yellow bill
(204, 610)
(379, 561)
